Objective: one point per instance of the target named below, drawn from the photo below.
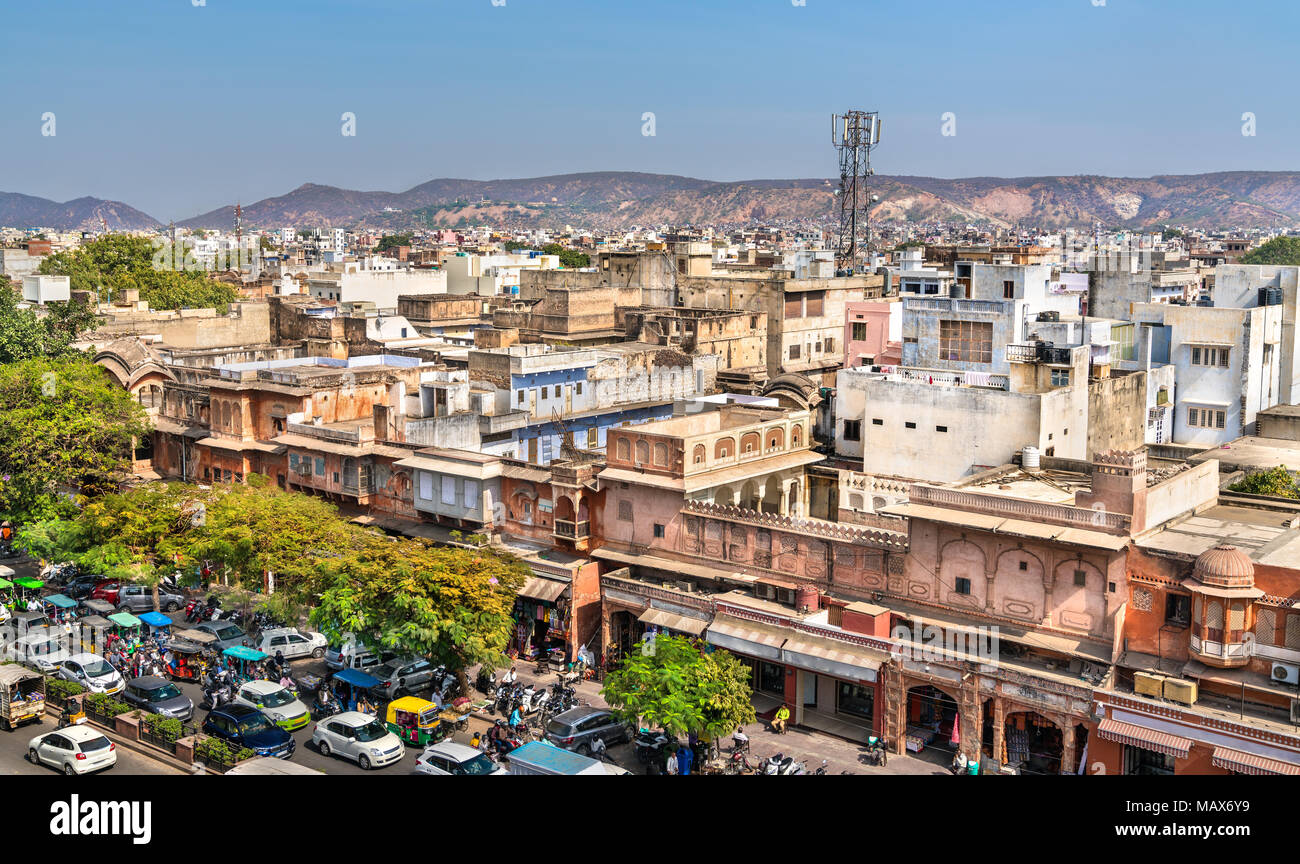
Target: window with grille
(1204, 356)
(1060, 377)
(1264, 626)
(966, 341)
(1176, 609)
(852, 430)
(962, 585)
(1206, 418)
(794, 352)
(859, 332)
(1214, 621)
(625, 510)
(1293, 632)
(815, 303)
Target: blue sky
(178, 109)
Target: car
(107, 591)
(158, 696)
(139, 598)
(228, 635)
(574, 729)
(40, 651)
(360, 737)
(401, 676)
(353, 655)
(73, 749)
(245, 726)
(277, 703)
(92, 672)
(80, 587)
(291, 642)
(448, 757)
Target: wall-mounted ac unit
(1286, 673)
(1179, 690)
(1147, 684)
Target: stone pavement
(805, 745)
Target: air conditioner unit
(1286, 673)
(1180, 690)
(1147, 684)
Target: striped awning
(1140, 736)
(679, 623)
(1250, 763)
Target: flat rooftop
(1252, 453)
(730, 416)
(1267, 536)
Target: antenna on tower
(854, 134)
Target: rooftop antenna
(854, 135)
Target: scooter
(650, 745)
(215, 697)
(876, 752)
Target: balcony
(1209, 646)
(1038, 352)
(567, 530)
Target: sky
(177, 108)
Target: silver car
(402, 677)
(360, 737)
(139, 598)
(228, 635)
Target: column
(785, 498)
(1069, 759)
(999, 727)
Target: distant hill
(615, 199)
(28, 211)
(618, 199)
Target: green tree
(26, 334)
(568, 257)
(671, 684)
(115, 263)
(1279, 250)
(392, 241)
(1275, 481)
(65, 427)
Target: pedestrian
(779, 721)
(670, 763)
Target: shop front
(543, 617)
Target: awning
(124, 619)
(546, 590)
(1250, 763)
(840, 661)
(679, 623)
(746, 637)
(1140, 736)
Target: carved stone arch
(774, 439)
(724, 448)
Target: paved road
(13, 755)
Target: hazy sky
(178, 109)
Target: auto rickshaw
(101, 608)
(128, 628)
(64, 607)
(94, 634)
(241, 659)
(191, 654)
(355, 685)
(27, 591)
(415, 721)
(159, 625)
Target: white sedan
(359, 737)
(74, 750)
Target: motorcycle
(326, 708)
(778, 763)
(876, 753)
(649, 746)
(215, 697)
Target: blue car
(245, 726)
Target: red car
(107, 590)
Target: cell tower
(239, 223)
(854, 135)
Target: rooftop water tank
(1029, 458)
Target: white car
(92, 672)
(73, 750)
(279, 705)
(359, 737)
(292, 643)
(448, 757)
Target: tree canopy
(26, 334)
(65, 427)
(672, 684)
(1279, 250)
(450, 604)
(392, 241)
(117, 262)
(568, 257)
(1275, 481)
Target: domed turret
(1224, 566)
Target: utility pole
(854, 134)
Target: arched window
(642, 452)
(749, 443)
(796, 436)
(775, 439)
(622, 449)
(698, 454)
(724, 448)
(661, 453)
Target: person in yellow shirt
(779, 721)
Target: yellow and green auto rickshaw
(415, 721)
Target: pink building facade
(867, 330)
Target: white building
(47, 289)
